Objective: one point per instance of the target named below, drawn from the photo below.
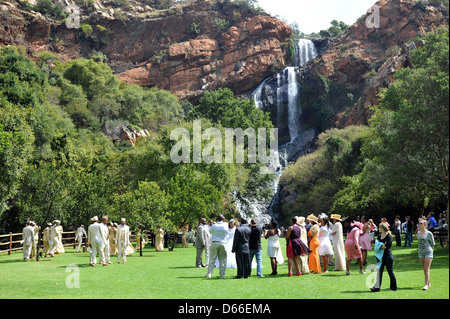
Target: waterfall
(292, 91)
(257, 95)
(304, 52)
(287, 93)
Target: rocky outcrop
(123, 133)
(238, 59)
(359, 54)
(361, 111)
(186, 48)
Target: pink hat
(359, 225)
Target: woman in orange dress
(314, 261)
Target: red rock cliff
(230, 47)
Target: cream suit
(46, 240)
(103, 235)
(28, 239)
(35, 242)
(94, 241)
(79, 237)
(53, 240)
(122, 241)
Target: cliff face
(360, 58)
(186, 48)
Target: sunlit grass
(172, 275)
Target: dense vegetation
(399, 162)
(57, 162)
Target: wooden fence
(11, 242)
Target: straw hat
(301, 221)
(312, 218)
(336, 216)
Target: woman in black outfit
(388, 260)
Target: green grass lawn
(171, 275)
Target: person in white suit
(79, 237)
(104, 239)
(46, 239)
(28, 239)
(54, 242)
(122, 240)
(94, 241)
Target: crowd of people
(52, 239)
(103, 238)
(313, 244)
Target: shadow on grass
(22, 261)
(382, 290)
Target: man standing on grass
(219, 234)
(94, 241)
(53, 233)
(409, 232)
(255, 246)
(202, 243)
(122, 240)
(46, 239)
(104, 232)
(27, 238)
(242, 250)
(79, 237)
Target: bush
(194, 28)
(49, 8)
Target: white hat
(94, 219)
(123, 219)
(301, 221)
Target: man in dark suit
(255, 246)
(242, 250)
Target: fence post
(10, 243)
(75, 240)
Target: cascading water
(257, 95)
(304, 52)
(287, 93)
(292, 92)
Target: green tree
(411, 122)
(221, 106)
(16, 149)
(147, 205)
(96, 78)
(192, 197)
(46, 193)
(21, 83)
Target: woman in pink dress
(364, 240)
(352, 247)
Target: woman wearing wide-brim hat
(352, 247)
(314, 259)
(338, 243)
(304, 238)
